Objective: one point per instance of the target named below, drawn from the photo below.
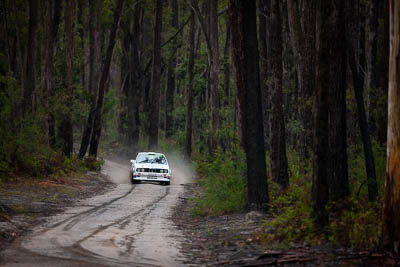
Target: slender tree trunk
(214, 101)
(303, 45)
(19, 48)
(356, 67)
(391, 201)
(384, 74)
(227, 66)
(264, 10)
(155, 77)
(372, 26)
(279, 164)
(97, 118)
(4, 11)
(81, 8)
(66, 131)
(242, 18)
(189, 114)
(134, 95)
(169, 107)
(28, 103)
(125, 83)
(210, 32)
(49, 70)
(95, 7)
(320, 186)
(226, 140)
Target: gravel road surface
(128, 226)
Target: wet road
(127, 226)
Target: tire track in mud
(76, 218)
(77, 248)
(78, 251)
(121, 220)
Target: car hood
(151, 166)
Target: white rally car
(150, 166)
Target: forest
(287, 107)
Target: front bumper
(151, 178)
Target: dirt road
(128, 226)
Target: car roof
(151, 153)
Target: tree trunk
(95, 8)
(303, 44)
(189, 114)
(320, 187)
(227, 66)
(28, 103)
(134, 95)
(49, 70)
(242, 18)
(384, 74)
(155, 77)
(279, 164)
(213, 109)
(357, 67)
(19, 48)
(65, 130)
(372, 78)
(391, 201)
(338, 175)
(169, 105)
(97, 118)
(4, 12)
(264, 10)
(81, 30)
(210, 32)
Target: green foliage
(357, 173)
(353, 222)
(291, 210)
(24, 149)
(93, 164)
(22, 140)
(357, 225)
(224, 182)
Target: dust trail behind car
(182, 170)
(117, 170)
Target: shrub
(224, 183)
(353, 222)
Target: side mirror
(133, 161)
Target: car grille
(153, 170)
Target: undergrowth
(24, 143)
(353, 222)
(224, 181)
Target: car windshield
(151, 158)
